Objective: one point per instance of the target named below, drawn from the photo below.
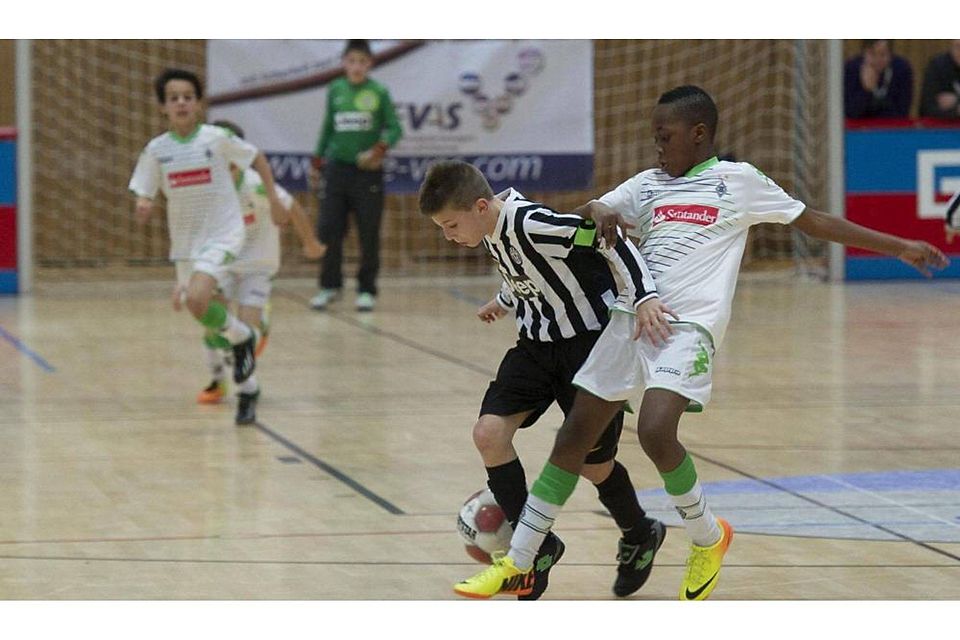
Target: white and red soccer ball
(484, 526)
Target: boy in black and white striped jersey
(560, 284)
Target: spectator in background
(359, 126)
(877, 84)
(940, 97)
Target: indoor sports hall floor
(831, 445)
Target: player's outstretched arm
(278, 212)
(606, 219)
(922, 256)
(313, 249)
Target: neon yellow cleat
(501, 577)
(703, 565)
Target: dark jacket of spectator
(941, 80)
(891, 98)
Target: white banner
(522, 111)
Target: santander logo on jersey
(189, 178)
(691, 213)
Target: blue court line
(460, 295)
(27, 351)
(879, 481)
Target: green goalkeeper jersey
(358, 116)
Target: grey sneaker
(323, 298)
(365, 302)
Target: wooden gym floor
(830, 444)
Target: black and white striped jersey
(555, 276)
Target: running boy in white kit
(190, 164)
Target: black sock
(508, 483)
(620, 498)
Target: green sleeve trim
(680, 480)
(586, 235)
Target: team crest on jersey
(721, 188)
(687, 213)
(515, 256)
(209, 153)
(649, 194)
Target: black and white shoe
(549, 555)
(244, 360)
(247, 407)
(636, 560)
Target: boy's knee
(197, 303)
(656, 441)
(491, 434)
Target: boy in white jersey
(248, 278)
(190, 164)
(560, 286)
(691, 215)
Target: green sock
(215, 340)
(681, 479)
(554, 485)
(215, 317)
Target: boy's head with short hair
(357, 59)
(179, 93)
(684, 125)
(458, 198)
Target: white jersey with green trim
(203, 208)
(692, 232)
(261, 250)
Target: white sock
(535, 523)
(249, 385)
(701, 524)
(215, 362)
(234, 330)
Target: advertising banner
(521, 111)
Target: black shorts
(532, 375)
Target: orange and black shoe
(215, 392)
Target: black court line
(330, 470)
(841, 512)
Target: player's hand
(278, 213)
(314, 249)
(608, 221)
(652, 322)
(869, 76)
(143, 210)
(491, 312)
(372, 158)
(923, 255)
(950, 232)
(177, 297)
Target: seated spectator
(940, 97)
(877, 84)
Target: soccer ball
(484, 526)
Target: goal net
(94, 110)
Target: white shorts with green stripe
(619, 367)
(214, 260)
